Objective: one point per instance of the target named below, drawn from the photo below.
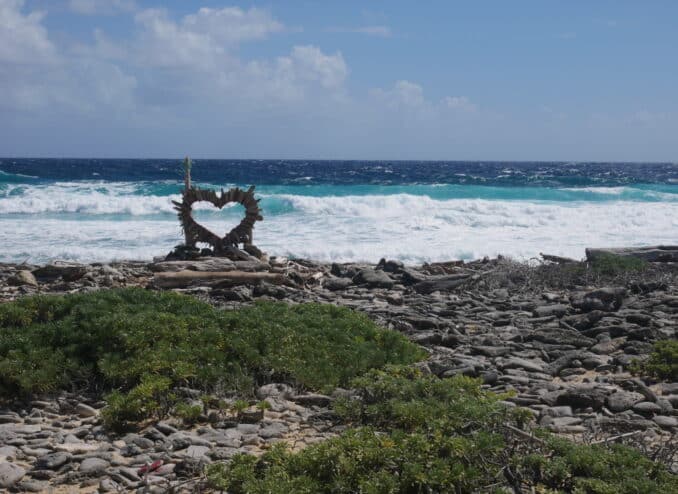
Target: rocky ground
(558, 338)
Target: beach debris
(557, 259)
(182, 279)
(659, 253)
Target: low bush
(140, 344)
(422, 434)
(662, 363)
(403, 398)
(188, 413)
(564, 466)
(611, 265)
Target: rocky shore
(559, 339)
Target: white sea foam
(600, 190)
(412, 228)
(85, 198)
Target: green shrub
(403, 398)
(190, 414)
(420, 434)
(312, 343)
(417, 434)
(151, 398)
(140, 344)
(663, 361)
(568, 467)
(611, 264)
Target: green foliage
(612, 265)
(312, 343)
(150, 398)
(586, 469)
(263, 405)
(239, 406)
(420, 434)
(403, 398)
(437, 435)
(663, 362)
(140, 344)
(189, 413)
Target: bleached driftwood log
(659, 253)
(184, 279)
(441, 283)
(557, 259)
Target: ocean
(120, 209)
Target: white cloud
(101, 7)
(403, 93)
(232, 25)
(23, 38)
(461, 103)
(311, 64)
(376, 30)
(174, 79)
(201, 40)
(35, 74)
(164, 43)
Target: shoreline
(558, 337)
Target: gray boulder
(92, 466)
(557, 310)
(52, 461)
(22, 278)
(582, 397)
(607, 299)
(373, 279)
(335, 283)
(275, 390)
(10, 474)
(66, 271)
(647, 408)
(623, 400)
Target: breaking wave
(100, 220)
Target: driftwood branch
(557, 259)
(525, 435)
(184, 279)
(660, 253)
(614, 438)
(441, 283)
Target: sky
(574, 80)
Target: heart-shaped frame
(195, 232)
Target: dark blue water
(291, 172)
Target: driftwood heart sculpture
(195, 232)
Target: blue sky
(485, 80)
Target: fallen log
(186, 278)
(557, 259)
(659, 253)
(440, 284)
(214, 264)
